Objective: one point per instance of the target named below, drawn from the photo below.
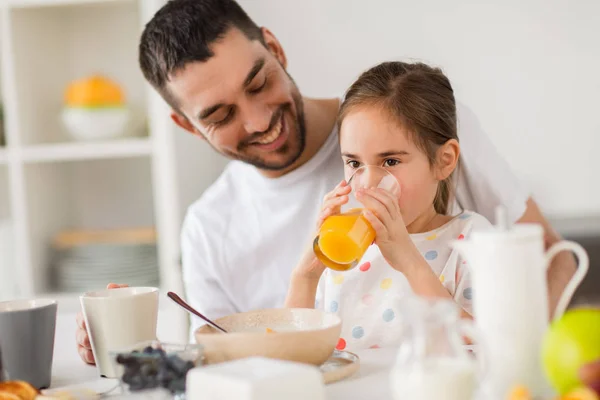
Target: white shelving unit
(50, 182)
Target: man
(226, 81)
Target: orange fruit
(580, 393)
(95, 91)
(519, 392)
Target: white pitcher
(510, 301)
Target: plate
(340, 365)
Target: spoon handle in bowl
(182, 303)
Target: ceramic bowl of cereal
(303, 335)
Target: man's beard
(298, 130)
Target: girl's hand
(383, 213)
(309, 267)
(333, 202)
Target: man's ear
(185, 123)
(447, 159)
(274, 46)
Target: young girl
(401, 117)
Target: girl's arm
(423, 280)
(306, 275)
(304, 281)
(302, 292)
(383, 212)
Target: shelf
(124, 148)
(8, 281)
(85, 195)
(72, 43)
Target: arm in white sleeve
(202, 260)
(485, 180)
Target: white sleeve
(202, 262)
(484, 179)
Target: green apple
(571, 342)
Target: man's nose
(256, 117)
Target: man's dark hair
(182, 31)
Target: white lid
(505, 231)
(517, 232)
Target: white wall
(529, 69)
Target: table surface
(370, 382)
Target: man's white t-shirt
(243, 237)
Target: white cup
(119, 318)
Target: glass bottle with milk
(432, 361)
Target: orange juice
(343, 240)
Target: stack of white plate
(83, 265)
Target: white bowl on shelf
(95, 123)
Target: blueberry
(147, 370)
(176, 364)
(177, 385)
(148, 350)
(126, 359)
(151, 383)
(136, 383)
(163, 377)
(127, 377)
(189, 365)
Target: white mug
(119, 318)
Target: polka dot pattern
(388, 315)
(333, 306)
(358, 332)
(365, 267)
(468, 293)
(386, 283)
(370, 310)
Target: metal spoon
(183, 304)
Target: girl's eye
(353, 164)
(390, 162)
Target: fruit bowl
(293, 334)
(156, 365)
(89, 123)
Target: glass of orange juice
(344, 238)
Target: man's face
(243, 102)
